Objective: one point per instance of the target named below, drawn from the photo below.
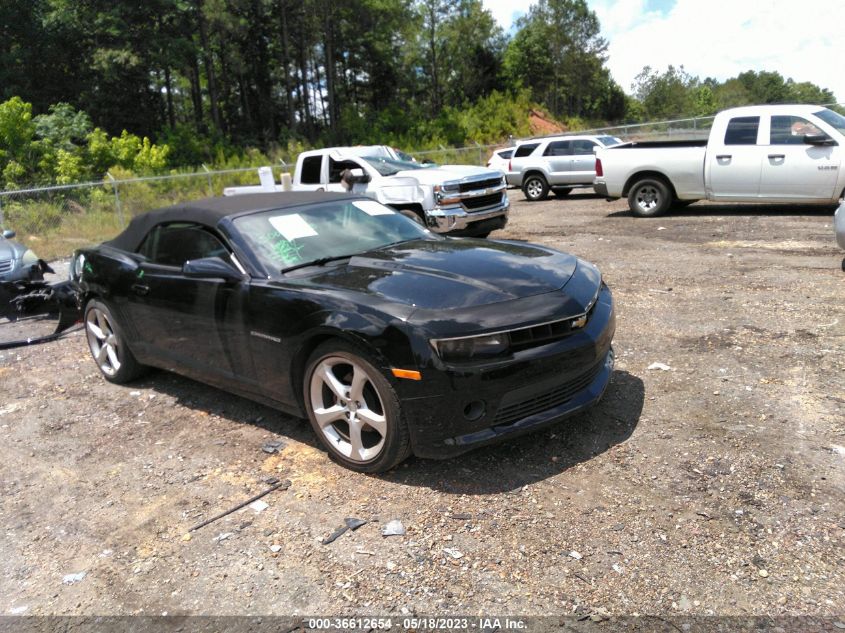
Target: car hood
(446, 173)
(450, 273)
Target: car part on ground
(388, 338)
(20, 300)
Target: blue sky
(717, 38)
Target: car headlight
(471, 347)
(29, 258)
(77, 266)
(447, 193)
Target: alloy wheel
(348, 408)
(102, 340)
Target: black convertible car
(391, 339)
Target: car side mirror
(8, 234)
(818, 139)
(357, 175)
(211, 268)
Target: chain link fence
(55, 221)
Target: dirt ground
(716, 486)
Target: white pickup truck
(453, 199)
(769, 153)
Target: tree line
(206, 78)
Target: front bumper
(537, 388)
(455, 218)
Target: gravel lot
(714, 487)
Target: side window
(583, 146)
(311, 167)
(742, 130)
(174, 244)
(790, 130)
(525, 150)
(337, 166)
(558, 148)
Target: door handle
(723, 156)
(140, 289)
(777, 156)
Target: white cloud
(722, 38)
(719, 38)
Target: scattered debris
(575, 555)
(72, 579)
(393, 528)
(660, 366)
(259, 505)
(763, 573)
(222, 536)
(462, 516)
(351, 523)
(284, 485)
(454, 553)
(275, 548)
(274, 446)
(18, 610)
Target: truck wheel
(535, 188)
(562, 192)
(410, 213)
(649, 197)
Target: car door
(558, 156)
(793, 169)
(192, 325)
(733, 163)
(583, 161)
(336, 168)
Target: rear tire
(108, 345)
(353, 409)
(649, 198)
(535, 188)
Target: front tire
(354, 409)
(649, 198)
(108, 345)
(535, 188)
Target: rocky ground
(713, 485)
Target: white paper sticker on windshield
(371, 207)
(292, 226)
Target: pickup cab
(453, 199)
(768, 154)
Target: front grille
(529, 337)
(560, 394)
(482, 202)
(5, 265)
(475, 185)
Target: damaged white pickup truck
(454, 199)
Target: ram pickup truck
(768, 153)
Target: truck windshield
(834, 119)
(390, 166)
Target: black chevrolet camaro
(392, 340)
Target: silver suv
(556, 163)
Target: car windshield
(291, 237)
(834, 119)
(607, 141)
(390, 166)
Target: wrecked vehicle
(391, 339)
(17, 262)
(24, 293)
